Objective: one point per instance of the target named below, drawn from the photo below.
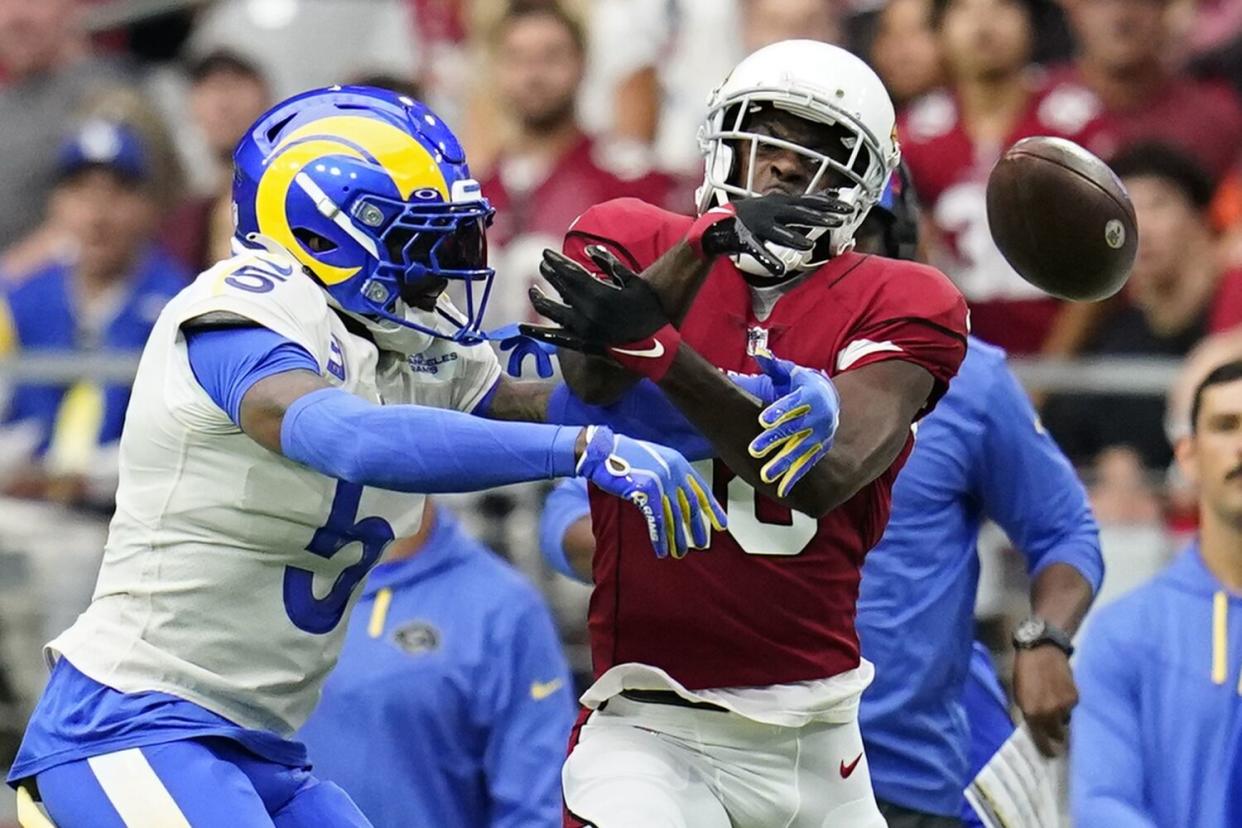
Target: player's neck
(992, 105)
(1121, 89)
(1220, 544)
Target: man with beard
(549, 171)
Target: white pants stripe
(135, 791)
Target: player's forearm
(1061, 596)
(676, 278)
(594, 379)
(413, 448)
(643, 413)
(728, 417)
(525, 402)
(878, 403)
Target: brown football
(1062, 219)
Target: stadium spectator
(1177, 294)
(50, 73)
(1160, 670)
(549, 171)
(1124, 78)
(952, 137)
(104, 294)
(770, 21)
(653, 90)
(298, 46)
(904, 50)
(227, 95)
(465, 705)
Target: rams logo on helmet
(370, 191)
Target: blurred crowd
(117, 122)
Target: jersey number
(321, 615)
(760, 526)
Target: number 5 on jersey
(321, 615)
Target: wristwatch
(1035, 631)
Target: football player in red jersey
(727, 683)
(952, 137)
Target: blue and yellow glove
(799, 426)
(676, 502)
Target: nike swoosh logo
(654, 352)
(846, 770)
(540, 690)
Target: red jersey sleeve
(910, 312)
(636, 232)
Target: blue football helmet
(370, 191)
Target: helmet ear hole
(276, 128)
(313, 241)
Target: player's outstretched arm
(270, 388)
(625, 320)
(419, 449)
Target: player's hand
(520, 347)
(1043, 687)
(743, 227)
(799, 426)
(594, 313)
(676, 502)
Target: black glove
(742, 226)
(595, 313)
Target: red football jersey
(772, 601)
(950, 173)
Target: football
(1062, 219)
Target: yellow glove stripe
(788, 447)
(670, 527)
(791, 414)
(787, 479)
(705, 503)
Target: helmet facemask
(851, 165)
(415, 248)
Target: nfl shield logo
(756, 340)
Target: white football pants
(644, 765)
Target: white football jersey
(229, 570)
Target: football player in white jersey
(291, 408)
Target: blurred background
(118, 118)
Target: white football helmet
(818, 82)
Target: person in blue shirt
(981, 454)
(1156, 738)
(452, 702)
(105, 294)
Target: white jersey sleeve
(266, 288)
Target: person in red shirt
(1133, 92)
(549, 171)
(727, 683)
(228, 93)
(952, 137)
